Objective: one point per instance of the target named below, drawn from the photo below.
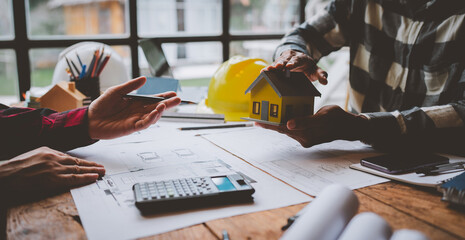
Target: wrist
(361, 127)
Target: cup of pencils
(86, 76)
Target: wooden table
(401, 205)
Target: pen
(152, 98)
(217, 126)
(83, 72)
(225, 235)
(292, 219)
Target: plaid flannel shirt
(24, 129)
(406, 65)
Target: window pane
(192, 63)
(263, 49)
(44, 60)
(6, 19)
(178, 17)
(8, 77)
(263, 16)
(77, 18)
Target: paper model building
(62, 97)
(277, 97)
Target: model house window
(256, 108)
(274, 110)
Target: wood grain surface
(401, 205)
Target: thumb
(130, 85)
(300, 123)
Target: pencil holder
(89, 86)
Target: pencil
(218, 126)
(69, 65)
(96, 54)
(79, 59)
(152, 98)
(101, 66)
(89, 71)
(75, 68)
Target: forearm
(320, 35)
(437, 128)
(24, 129)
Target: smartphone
(398, 163)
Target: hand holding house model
(277, 97)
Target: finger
(279, 65)
(280, 129)
(167, 94)
(293, 62)
(301, 123)
(69, 160)
(322, 76)
(130, 85)
(150, 118)
(74, 180)
(311, 76)
(83, 169)
(171, 102)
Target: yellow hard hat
(228, 84)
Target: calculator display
(223, 184)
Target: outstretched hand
(299, 62)
(328, 124)
(111, 115)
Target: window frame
(21, 44)
(256, 106)
(272, 112)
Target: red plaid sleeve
(24, 129)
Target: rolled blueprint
(367, 226)
(407, 234)
(326, 216)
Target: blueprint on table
(308, 169)
(107, 207)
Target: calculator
(189, 193)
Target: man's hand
(44, 171)
(112, 116)
(328, 124)
(299, 62)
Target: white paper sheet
(407, 234)
(107, 208)
(308, 169)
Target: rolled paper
(367, 226)
(326, 216)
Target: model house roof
(295, 84)
(69, 88)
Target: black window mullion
(21, 47)
(22, 44)
(133, 38)
(226, 36)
